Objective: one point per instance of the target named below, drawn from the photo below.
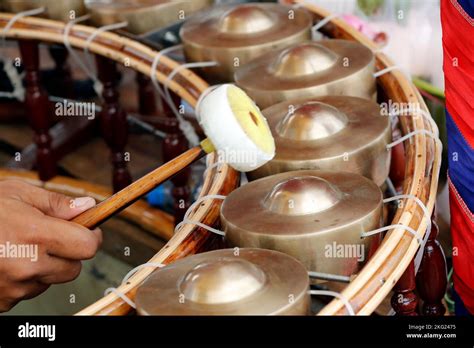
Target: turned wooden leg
(432, 279)
(38, 109)
(404, 300)
(146, 95)
(113, 123)
(62, 72)
(174, 145)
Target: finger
(54, 204)
(35, 288)
(23, 290)
(55, 270)
(68, 240)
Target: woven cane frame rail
(219, 181)
(423, 161)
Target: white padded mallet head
(236, 127)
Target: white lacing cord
(13, 75)
(185, 126)
(19, 15)
(18, 92)
(386, 70)
(425, 114)
(427, 215)
(341, 297)
(84, 67)
(329, 277)
(197, 223)
(387, 228)
(206, 92)
(154, 66)
(411, 134)
(212, 166)
(323, 22)
(126, 278)
(92, 37)
(199, 201)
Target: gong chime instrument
(227, 282)
(283, 198)
(309, 69)
(143, 16)
(234, 35)
(331, 133)
(310, 215)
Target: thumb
(64, 207)
(79, 205)
(56, 204)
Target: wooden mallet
(235, 128)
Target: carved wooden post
(113, 121)
(62, 72)
(404, 300)
(397, 164)
(432, 277)
(175, 144)
(146, 95)
(38, 109)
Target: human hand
(38, 245)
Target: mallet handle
(122, 199)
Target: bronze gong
(310, 69)
(232, 35)
(227, 282)
(143, 15)
(330, 133)
(54, 9)
(314, 216)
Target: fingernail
(83, 202)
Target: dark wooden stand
(113, 123)
(38, 109)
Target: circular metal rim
(357, 191)
(212, 40)
(146, 18)
(244, 76)
(307, 237)
(16, 6)
(316, 154)
(121, 7)
(281, 267)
